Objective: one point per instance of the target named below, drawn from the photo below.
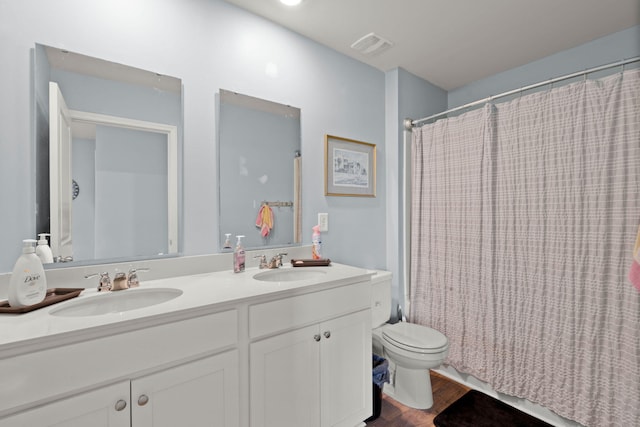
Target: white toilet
(410, 349)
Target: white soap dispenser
(43, 250)
(28, 284)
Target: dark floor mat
(476, 409)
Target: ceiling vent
(371, 44)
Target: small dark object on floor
(380, 376)
(476, 409)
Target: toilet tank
(380, 298)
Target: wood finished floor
(393, 414)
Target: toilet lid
(414, 337)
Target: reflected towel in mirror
(264, 221)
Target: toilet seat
(414, 338)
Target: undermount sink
(288, 275)
(116, 302)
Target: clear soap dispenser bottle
(227, 241)
(238, 256)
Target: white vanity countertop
(202, 293)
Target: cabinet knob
(327, 334)
(316, 337)
(121, 404)
(143, 400)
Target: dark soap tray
(54, 295)
(310, 262)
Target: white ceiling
(452, 42)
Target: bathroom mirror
(108, 140)
(259, 171)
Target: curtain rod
(408, 123)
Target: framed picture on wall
(349, 167)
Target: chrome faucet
(104, 283)
(276, 260)
(121, 281)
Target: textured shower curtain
(524, 217)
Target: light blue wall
(210, 45)
(407, 96)
(605, 50)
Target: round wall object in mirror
(75, 188)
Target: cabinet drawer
(288, 313)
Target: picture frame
(349, 167)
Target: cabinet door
(201, 393)
(104, 407)
(345, 357)
(285, 380)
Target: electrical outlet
(323, 221)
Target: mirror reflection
(259, 167)
(107, 138)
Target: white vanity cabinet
(183, 373)
(310, 359)
(231, 351)
(184, 396)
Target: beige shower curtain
(523, 223)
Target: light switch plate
(323, 222)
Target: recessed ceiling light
(291, 2)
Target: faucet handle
(104, 283)
(132, 277)
(276, 260)
(279, 258)
(263, 260)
